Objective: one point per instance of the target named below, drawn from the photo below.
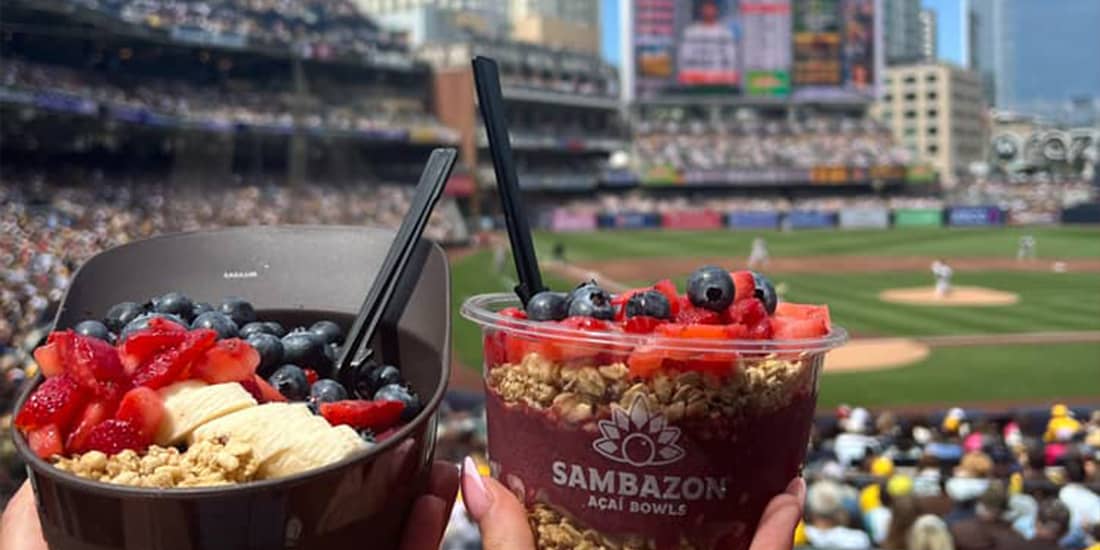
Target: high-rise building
(565, 24)
(1035, 56)
(902, 31)
(936, 110)
(928, 41)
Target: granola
(217, 461)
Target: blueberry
(589, 300)
(548, 306)
(367, 435)
(373, 376)
(270, 349)
(199, 308)
(765, 292)
(219, 322)
(332, 353)
(175, 303)
(255, 327)
(327, 391)
(291, 381)
(239, 310)
(305, 349)
(710, 287)
(313, 407)
(276, 328)
(121, 314)
(142, 323)
(93, 329)
(398, 392)
(650, 303)
(328, 332)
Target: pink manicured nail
(475, 495)
(797, 489)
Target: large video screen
(758, 48)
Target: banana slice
(191, 404)
(270, 428)
(318, 448)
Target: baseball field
(1012, 333)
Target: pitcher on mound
(758, 256)
(942, 273)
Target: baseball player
(758, 256)
(1025, 250)
(942, 273)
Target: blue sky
(949, 29)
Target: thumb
(499, 515)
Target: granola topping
(217, 461)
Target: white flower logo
(637, 437)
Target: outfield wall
(562, 219)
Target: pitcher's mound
(959, 296)
(875, 354)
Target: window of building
(932, 96)
(888, 98)
(910, 132)
(910, 96)
(932, 113)
(910, 114)
(910, 80)
(932, 130)
(930, 78)
(933, 149)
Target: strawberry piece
(644, 361)
(584, 323)
(495, 348)
(311, 376)
(175, 363)
(140, 347)
(513, 312)
(94, 364)
(374, 415)
(718, 363)
(642, 324)
(746, 312)
(56, 401)
(94, 413)
(680, 330)
(803, 311)
(691, 315)
(143, 408)
(48, 357)
(788, 328)
(261, 390)
(230, 360)
(114, 436)
(744, 285)
(668, 288)
(45, 441)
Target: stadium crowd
(614, 203)
(211, 106)
(1034, 196)
(698, 145)
(47, 230)
(318, 28)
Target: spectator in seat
(904, 512)
(1083, 504)
(1051, 525)
(928, 481)
(929, 533)
(852, 445)
(987, 530)
(970, 481)
(1062, 426)
(827, 519)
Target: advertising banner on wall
(860, 218)
(964, 216)
(918, 217)
(810, 219)
(568, 220)
(758, 219)
(691, 219)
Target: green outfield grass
(1053, 242)
(1048, 302)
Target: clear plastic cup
(625, 440)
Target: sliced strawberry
(495, 348)
(691, 315)
(94, 364)
(744, 285)
(641, 324)
(230, 360)
(49, 361)
(746, 312)
(718, 363)
(374, 415)
(585, 323)
(679, 330)
(261, 390)
(94, 413)
(140, 347)
(311, 376)
(114, 436)
(668, 288)
(175, 363)
(143, 408)
(788, 328)
(45, 441)
(803, 311)
(57, 401)
(644, 361)
(513, 312)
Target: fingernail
(797, 489)
(475, 495)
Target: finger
(19, 527)
(424, 528)
(777, 524)
(499, 515)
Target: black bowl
(295, 275)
